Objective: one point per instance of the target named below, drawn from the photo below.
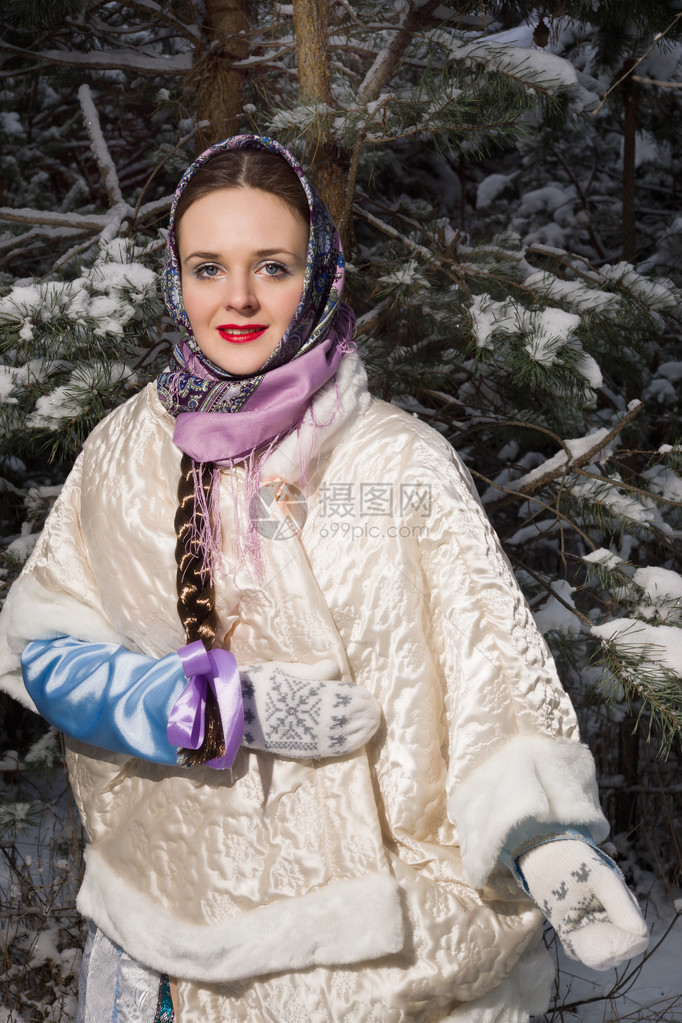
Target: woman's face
(242, 261)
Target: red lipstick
(238, 334)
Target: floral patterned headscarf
(217, 421)
(191, 382)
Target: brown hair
(238, 168)
(246, 168)
(196, 593)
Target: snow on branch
(412, 17)
(542, 73)
(647, 659)
(106, 225)
(99, 147)
(351, 11)
(111, 60)
(376, 73)
(264, 60)
(575, 453)
(153, 208)
(47, 233)
(82, 222)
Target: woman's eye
(207, 271)
(274, 270)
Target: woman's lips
(237, 335)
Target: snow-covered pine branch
(646, 660)
(575, 453)
(413, 16)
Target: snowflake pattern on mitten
(574, 907)
(583, 894)
(296, 717)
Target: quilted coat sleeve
(514, 750)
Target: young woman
(384, 882)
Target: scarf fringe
(205, 537)
(248, 539)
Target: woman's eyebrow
(264, 253)
(259, 253)
(200, 255)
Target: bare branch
(413, 246)
(160, 205)
(542, 506)
(628, 488)
(628, 73)
(655, 81)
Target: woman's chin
(239, 362)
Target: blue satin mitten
(580, 890)
(112, 698)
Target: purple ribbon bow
(187, 721)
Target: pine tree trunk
(630, 103)
(334, 168)
(330, 165)
(310, 19)
(216, 85)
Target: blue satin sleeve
(105, 695)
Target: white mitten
(586, 901)
(294, 710)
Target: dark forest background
(507, 181)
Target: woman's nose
(239, 292)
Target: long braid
(196, 592)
